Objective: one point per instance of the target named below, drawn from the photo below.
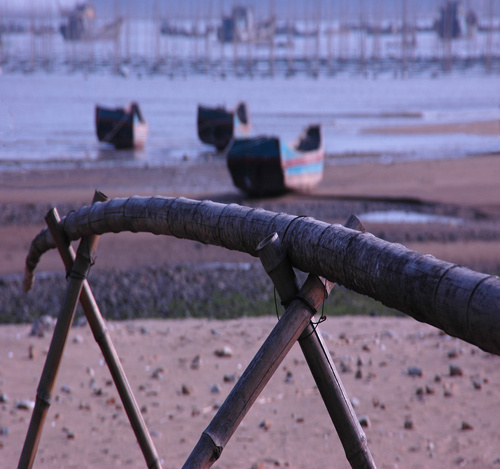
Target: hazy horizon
(353, 10)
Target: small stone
(455, 370)
(65, 388)
(289, 377)
(84, 406)
(158, 373)
(415, 371)
(261, 465)
(43, 325)
(359, 374)
(366, 348)
(215, 389)
(3, 398)
(466, 426)
(32, 352)
(186, 390)
(25, 405)
(69, 434)
(355, 402)
(265, 424)
(408, 423)
(229, 378)
(196, 363)
(145, 331)
(448, 390)
(78, 339)
(4, 431)
(364, 421)
(224, 352)
(477, 383)
(345, 367)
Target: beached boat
(121, 127)
(217, 126)
(262, 166)
(80, 25)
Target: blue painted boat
(217, 126)
(121, 127)
(266, 166)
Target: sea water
(47, 118)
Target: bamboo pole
(103, 339)
(457, 300)
(352, 437)
(258, 373)
(77, 276)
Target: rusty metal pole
(353, 439)
(77, 276)
(103, 339)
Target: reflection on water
(111, 154)
(401, 216)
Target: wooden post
(77, 276)
(277, 265)
(457, 300)
(258, 373)
(102, 337)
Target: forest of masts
(314, 38)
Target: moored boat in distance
(121, 127)
(80, 25)
(217, 126)
(263, 166)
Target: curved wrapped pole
(461, 302)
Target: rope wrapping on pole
(460, 301)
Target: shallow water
(401, 216)
(47, 119)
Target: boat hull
(265, 166)
(121, 128)
(255, 166)
(215, 126)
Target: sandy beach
(430, 401)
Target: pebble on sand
(364, 421)
(225, 352)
